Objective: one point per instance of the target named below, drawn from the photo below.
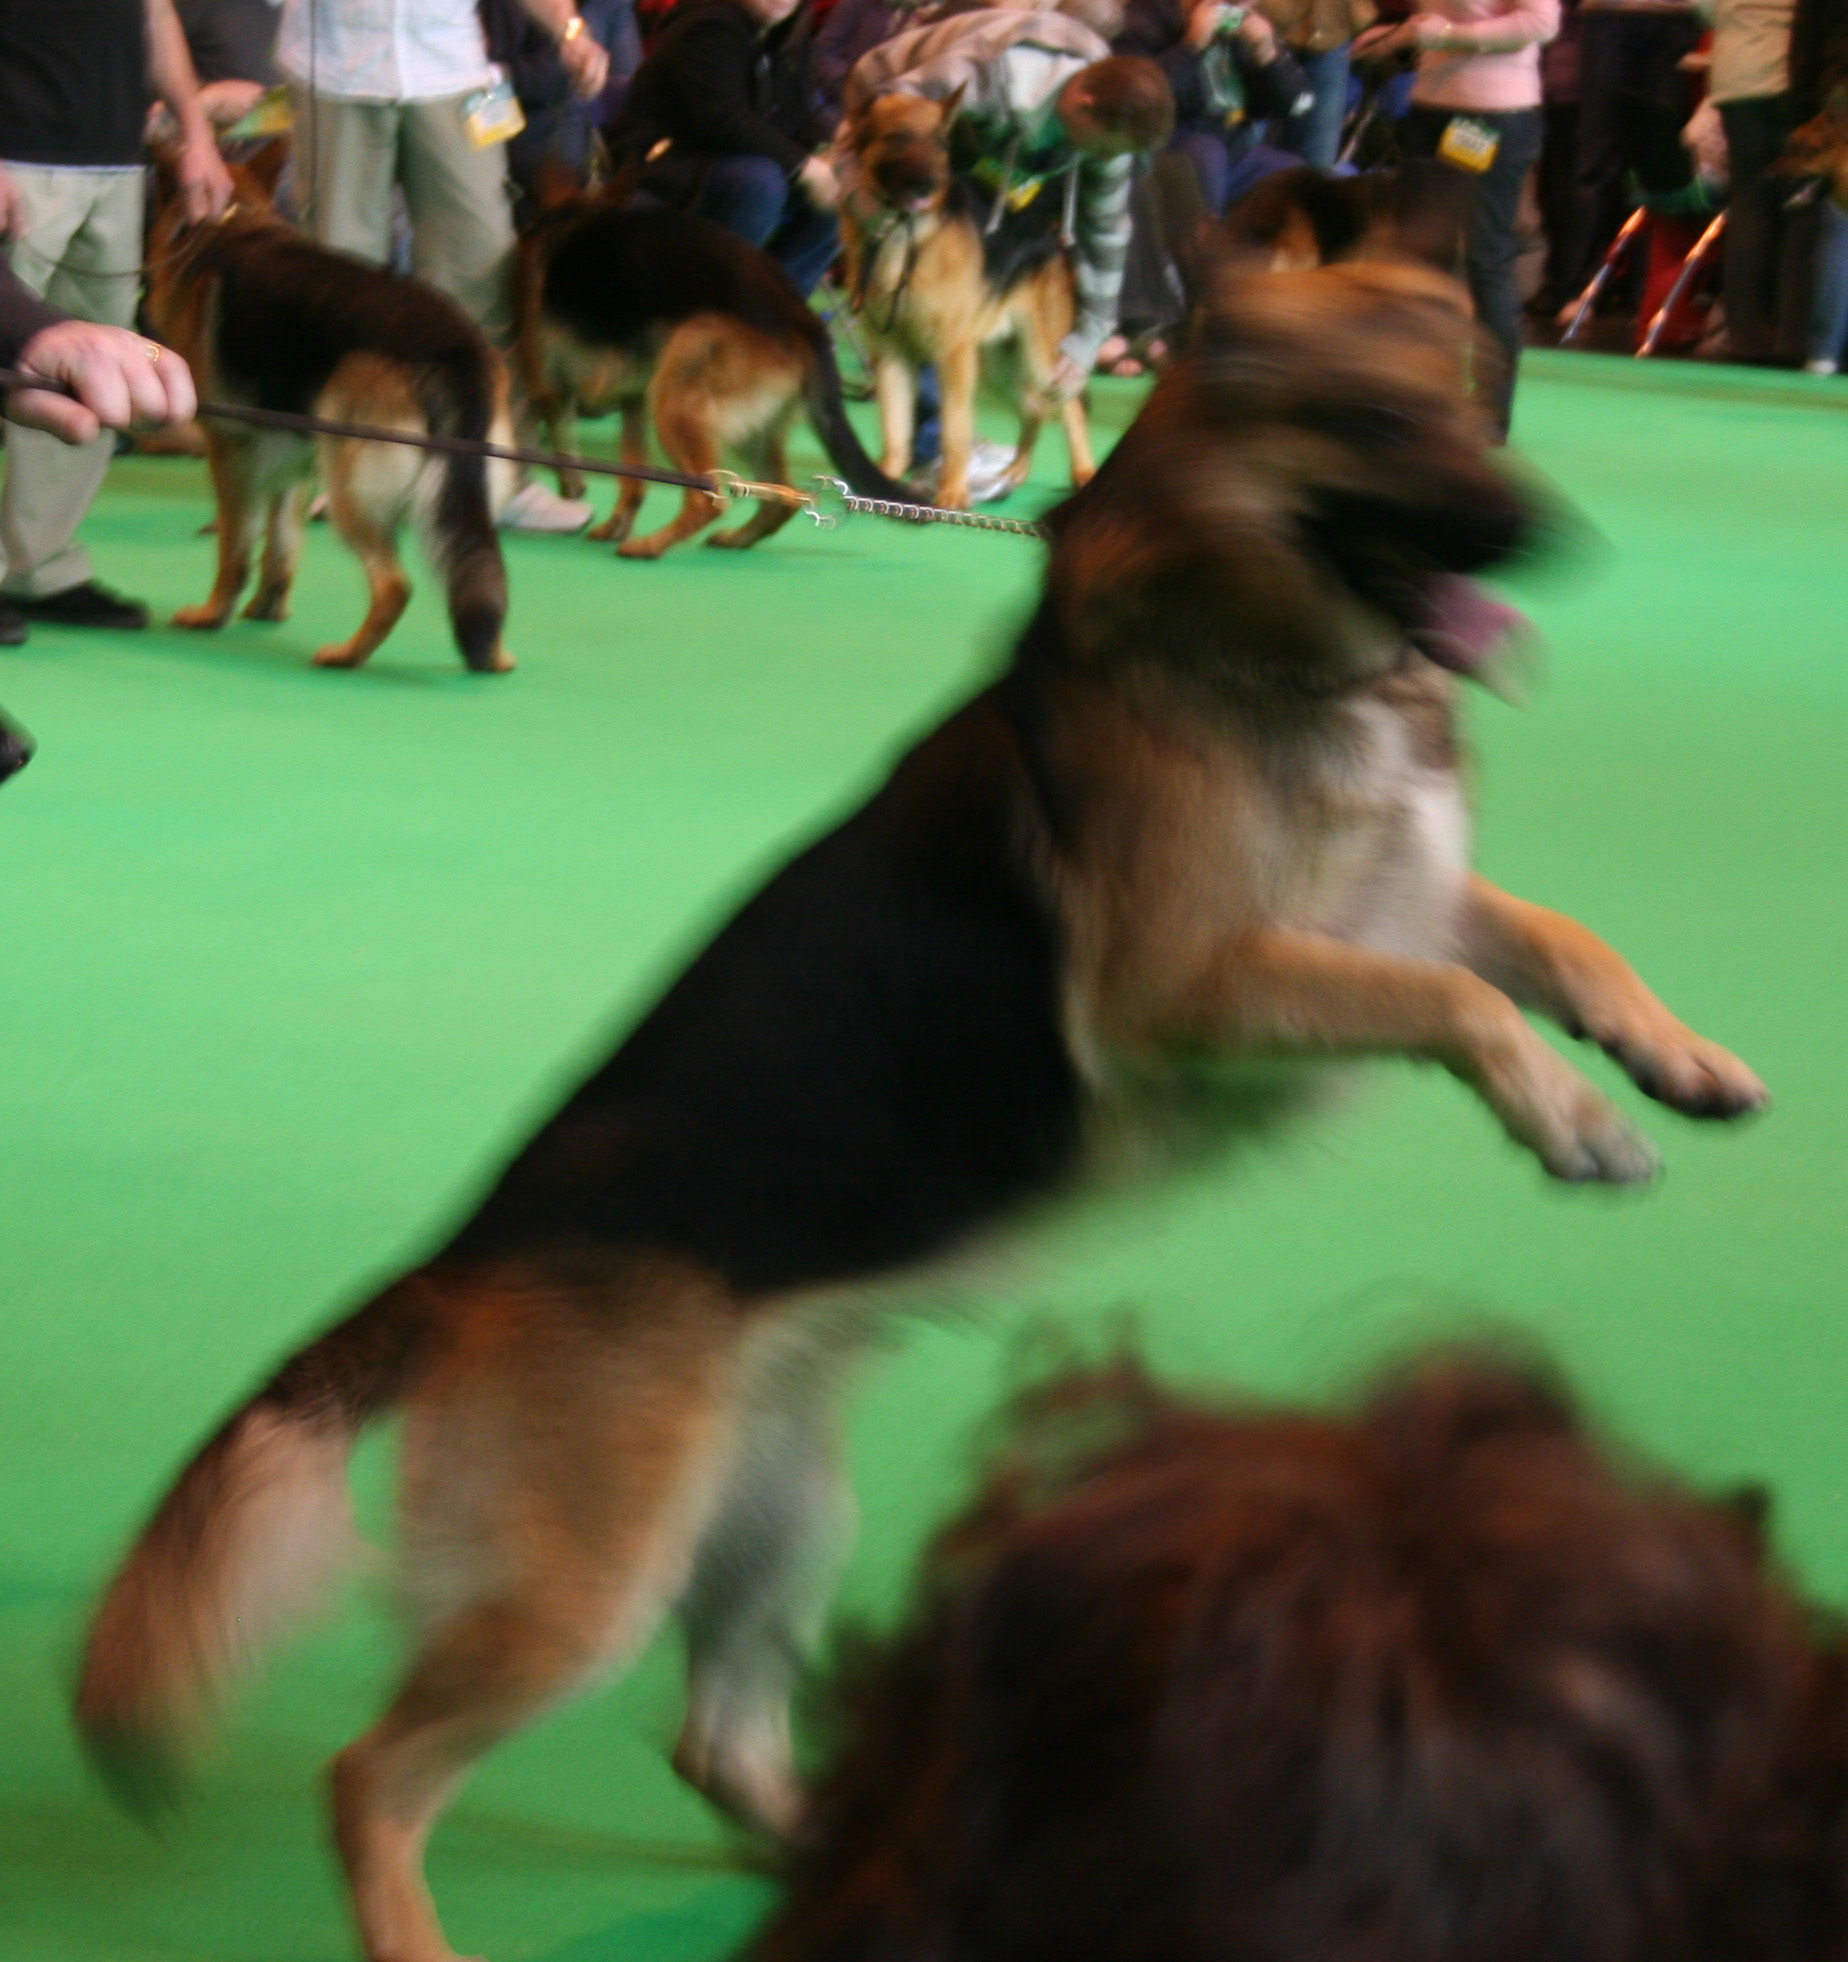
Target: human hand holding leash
(819, 184)
(120, 381)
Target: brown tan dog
(266, 318)
(683, 327)
(927, 296)
(1202, 840)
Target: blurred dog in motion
(1202, 839)
(266, 318)
(684, 327)
(932, 287)
(1434, 1681)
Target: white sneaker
(989, 464)
(1822, 365)
(534, 508)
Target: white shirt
(383, 50)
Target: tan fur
(919, 289)
(1293, 882)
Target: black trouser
(1553, 189)
(1767, 248)
(1490, 241)
(1633, 101)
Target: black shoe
(88, 605)
(12, 625)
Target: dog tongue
(1465, 628)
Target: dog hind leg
(764, 1573)
(281, 548)
(634, 450)
(768, 460)
(684, 421)
(559, 1465)
(368, 531)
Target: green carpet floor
(288, 959)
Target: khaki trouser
(349, 155)
(79, 246)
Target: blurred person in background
(74, 85)
(724, 118)
(1320, 35)
(1476, 114)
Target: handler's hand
(118, 383)
(587, 63)
(1375, 43)
(205, 183)
(1066, 380)
(819, 184)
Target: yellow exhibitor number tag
(1468, 144)
(493, 115)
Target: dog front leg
(957, 370)
(1551, 963)
(233, 462)
(895, 390)
(1305, 994)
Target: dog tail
(827, 409)
(464, 395)
(250, 1538)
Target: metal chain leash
(828, 504)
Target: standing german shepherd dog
(675, 321)
(1203, 838)
(933, 289)
(268, 319)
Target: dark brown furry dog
(1202, 839)
(1435, 1682)
(265, 317)
(930, 289)
(678, 324)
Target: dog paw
(612, 531)
(268, 606)
(341, 655)
(640, 548)
(738, 539)
(1687, 1073)
(201, 619)
(1599, 1146)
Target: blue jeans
(749, 195)
(1828, 322)
(1226, 171)
(1315, 133)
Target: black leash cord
(365, 432)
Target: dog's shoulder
(865, 1063)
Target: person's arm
(1274, 82)
(205, 184)
(584, 56)
(1099, 251)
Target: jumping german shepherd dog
(675, 321)
(933, 289)
(1203, 838)
(267, 318)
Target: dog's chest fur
(1351, 824)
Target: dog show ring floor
(288, 959)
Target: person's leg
(1755, 134)
(461, 221)
(1251, 169)
(1205, 150)
(80, 246)
(1828, 322)
(345, 163)
(805, 243)
(1314, 134)
(748, 195)
(1493, 243)
(1598, 176)
(1553, 185)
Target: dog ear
(951, 105)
